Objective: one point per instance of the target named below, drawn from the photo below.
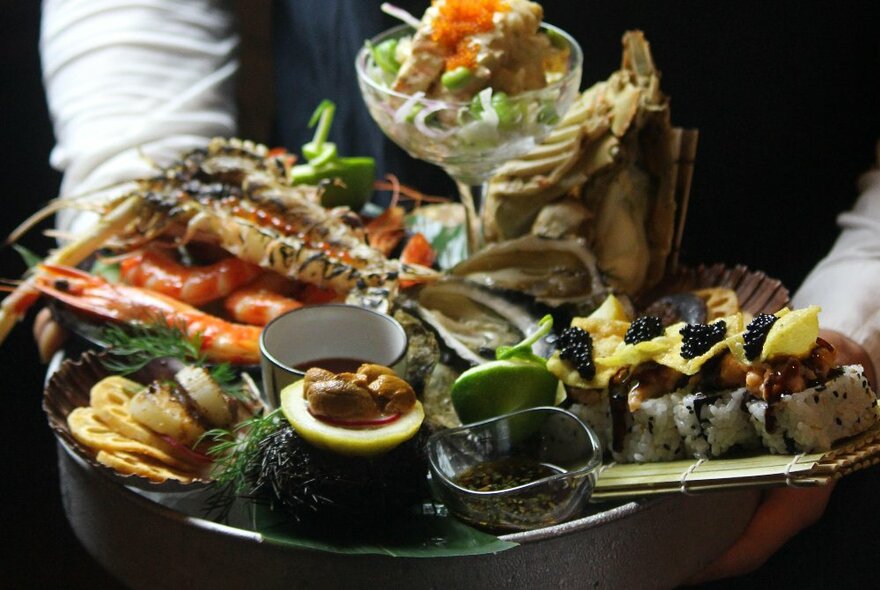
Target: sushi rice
(710, 425)
(692, 424)
(814, 419)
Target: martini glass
(469, 140)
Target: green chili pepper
(457, 78)
(344, 181)
(384, 55)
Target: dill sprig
(133, 346)
(236, 452)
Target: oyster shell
(473, 321)
(616, 154)
(554, 272)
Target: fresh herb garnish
(236, 453)
(31, 259)
(135, 345)
(132, 347)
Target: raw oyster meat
(473, 321)
(554, 272)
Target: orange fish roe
(457, 20)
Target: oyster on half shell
(473, 321)
(552, 271)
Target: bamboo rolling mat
(691, 476)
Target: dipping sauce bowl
(523, 470)
(336, 337)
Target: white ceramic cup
(318, 332)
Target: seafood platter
(261, 361)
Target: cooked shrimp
(262, 300)
(156, 270)
(221, 340)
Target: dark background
(785, 95)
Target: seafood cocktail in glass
(513, 87)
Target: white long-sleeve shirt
(131, 82)
(128, 78)
(846, 283)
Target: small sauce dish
(336, 337)
(520, 471)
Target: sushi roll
(657, 392)
(646, 435)
(597, 415)
(712, 424)
(649, 434)
(814, 419)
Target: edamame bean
(383, 55)
(457, 78)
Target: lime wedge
(500, 387)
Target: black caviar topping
(756, 334)
(576, 345)
(644, 328)
(698, 338)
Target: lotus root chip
(95, 434)
(720, 302)
(113, 391)
(134, 464)
(119, 419)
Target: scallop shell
(757, 292)
(69, 388)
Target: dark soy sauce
(332, 364)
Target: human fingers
(48, 334)
(782, 514)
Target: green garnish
(135, 345)
(109, 271)
(29, 256)
(523, 350)
(236, 453)
(345, 181)
(516, 380)
(384, 55)
(132, 347)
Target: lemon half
(363, 442)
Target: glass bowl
(467, 139)
(523, 470)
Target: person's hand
(48, 334)
(783, 512)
